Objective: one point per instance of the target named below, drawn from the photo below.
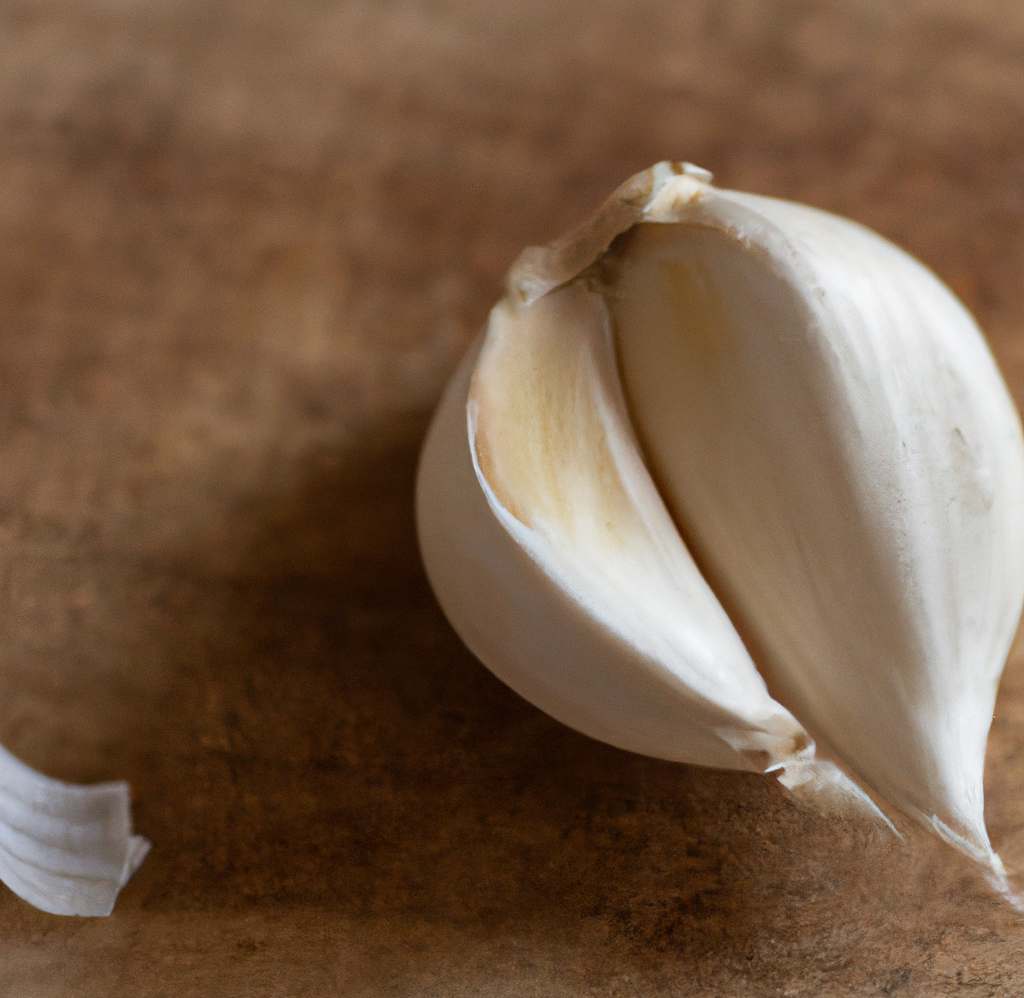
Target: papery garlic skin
(832, 436)
(65, 848)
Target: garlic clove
(554, 557)
(831, 435)
(830, 431)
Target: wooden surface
(242, 244)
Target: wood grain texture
(242, 244)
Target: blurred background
(242, 245)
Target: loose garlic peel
(65, 848)
(829, 434)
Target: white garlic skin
(829, 430)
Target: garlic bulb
(727, 472)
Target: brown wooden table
(242, 244)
